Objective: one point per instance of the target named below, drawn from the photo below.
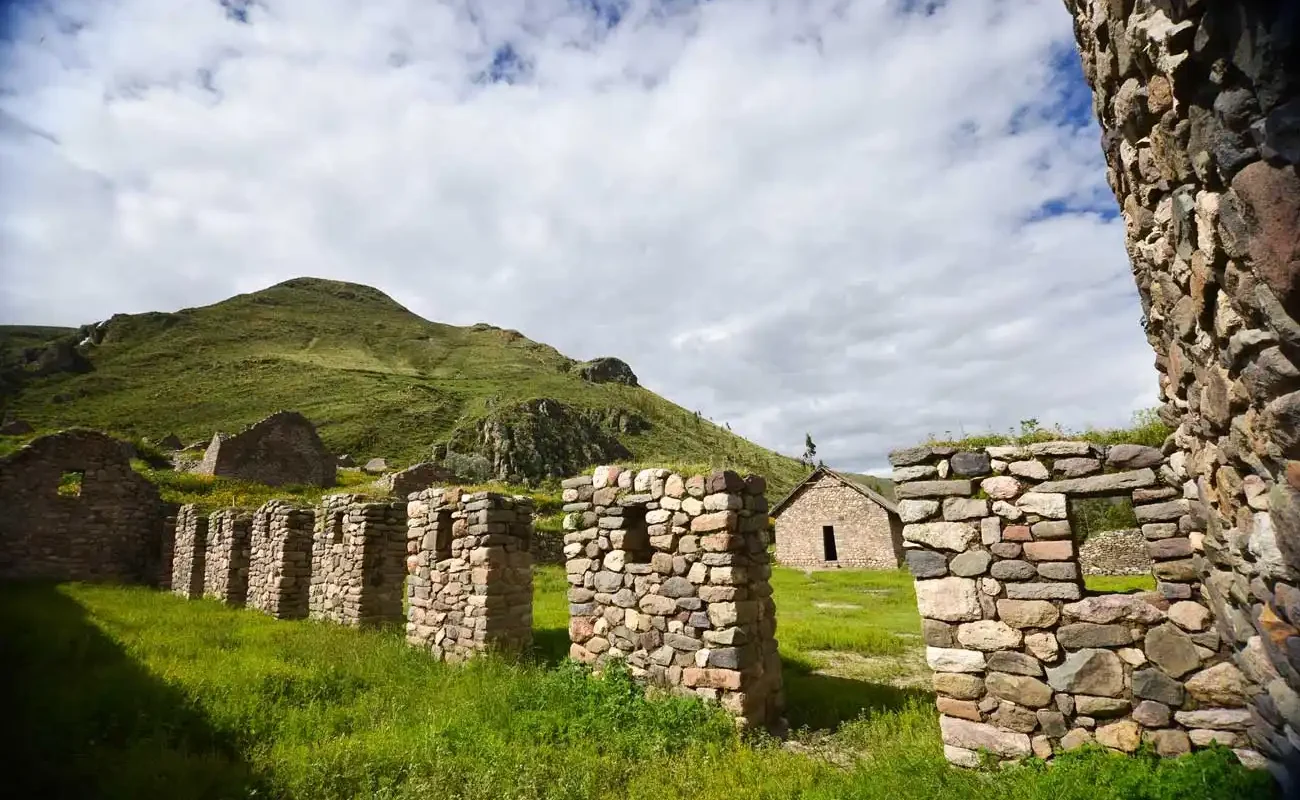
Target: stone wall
(358, 552)
(279, 572)
(111, 531)
(1026, 661)
(471, 584)
(417, 477)
(227, 557)
(280, 450)
(1201, 129)
(866, 535)
(189, 552)
(670, 575)
(1122, 552)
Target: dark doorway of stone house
(828, 542)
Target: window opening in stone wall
(1108, 536)
(636, 536)
(828, 543)
(336, 527)
(70, 483)
(442, 536)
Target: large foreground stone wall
(109, 530)
(471, 582)
(189, 552)
(1200, 114)
(1026, 661)
(358, 552)
(279, 572)
(670, 575)
(227, 558)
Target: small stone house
(836, 520)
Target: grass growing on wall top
(123, 692)
(1146, 429)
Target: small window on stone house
(70, 483)
(336, 527)
(442, 536)
(828, 543)
(636, 535)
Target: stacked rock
(358, 551)
(470, 587)
(279, 572)
(188, 552)
(1199, 104)
(670, 574)
(227, 557)
(167, 547)
(1025, 663)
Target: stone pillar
(188, 552)
(279, 572)
(1200, 114)
(670, 574)
(357, 561)
(167, 548)
(1026, 661)
(227, 557)
(471, 582)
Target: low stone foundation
(279, 574)
(227, 557)
(357, 561)
(471, 586)
(189, 552)
(670, 574)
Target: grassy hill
(377, 380)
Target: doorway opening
(828, 543)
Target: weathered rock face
(605, 370)
(281, 450)
(671, 575)
(75, 510)
(358, 561)
(471, 583)
(546, 438)
(1198, 106)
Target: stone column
(670, 574)
(357, 561)
(470, 588)
(227, 557)
(279, 570)
(189, 551)
(1200, 114)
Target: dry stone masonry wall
(471, 583)
(227, 556)
(670, 574)
(189, 552)
(279, 450)
(109, 529)
(357, 561)
(279, 573)
(1026, 662)
(1200, 114)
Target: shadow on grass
(825, 702)
(85, 720)
(550, 645)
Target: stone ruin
(279, 570)
(357, 558)
(669, 574)
(1119, 552)
(471, 581)
(406, 482)
(1200, 112)
(1026, 661)
(281, 450)
(189, 552)
(75, 510)
(226, 559)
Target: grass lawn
(129, 692)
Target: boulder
(1124, 735)
(16, 427)
(1189, 616)
(1171, 650)
(970, 464)
(979, 736)
(1152, 684)
(1220, 685)
(605, 370)
(376, 466)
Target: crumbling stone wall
(111, 531)
(471, 584)
(226, 560)
(358, 554)
(189, 552)
(866, 534)
(280, 450)
(671, 575)
(1026, 661)
(279, 572)
(1200, 115)
(1121, 552)
(406, 482)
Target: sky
(866, 220)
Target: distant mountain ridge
(377, 379)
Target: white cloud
(815, 215)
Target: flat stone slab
(1101, 484)
(933, 489)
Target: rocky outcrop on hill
(605, 370)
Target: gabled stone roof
(848, 480)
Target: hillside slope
(377, 380)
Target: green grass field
(129, 692)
